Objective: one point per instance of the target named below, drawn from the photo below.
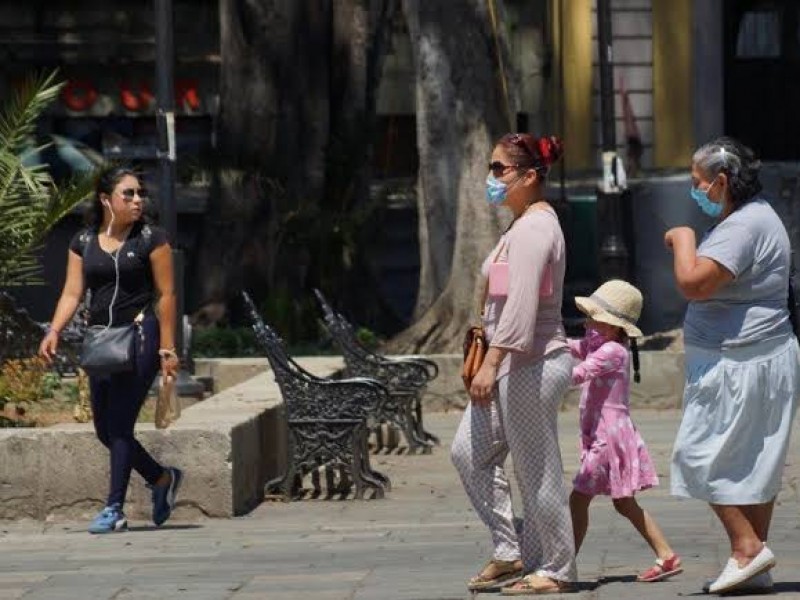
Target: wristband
(168, 353)
(53, 330)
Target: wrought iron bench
(406, 378)
(327, 420)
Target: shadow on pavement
(183, 526)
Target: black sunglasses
(129, 193)
(499, 169)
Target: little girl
(614, 459)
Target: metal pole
(165, 125)
(165, 117)
(606, 56)
(614, 256)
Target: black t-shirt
(136, 289)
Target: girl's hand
(169, 363)
(482, 386)
(678, 236)
(49, 345)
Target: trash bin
(579, 223)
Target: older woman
(742, 359)
(516, 393)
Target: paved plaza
(421, 543)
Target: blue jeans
(116, 402)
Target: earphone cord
(115, 258)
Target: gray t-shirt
(753, 245)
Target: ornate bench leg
(376, 477)
(421, 431)
(360, 478)
(415, 442)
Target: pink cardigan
(525, 324)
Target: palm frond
(64, 200)
(25, 105)
(30, 202)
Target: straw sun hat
(617, 303)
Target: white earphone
(115, 259)
(111, 221)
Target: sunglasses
(129, 193)
(499, 169)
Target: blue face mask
(712, 209)
(496, 190)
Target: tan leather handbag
(474, 352)
(475, 346)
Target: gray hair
(737, 161)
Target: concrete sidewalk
(422, 543)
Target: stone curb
(229, 445)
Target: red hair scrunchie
(544, 150)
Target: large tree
(272, 126)
(297, 102)
(465, 99)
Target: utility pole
(611, 193)
(165, 124)
(165, 117)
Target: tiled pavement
(421, 543)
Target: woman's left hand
(678, 236)
(482, 387)
(169, 365)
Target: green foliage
(30, 202)
(50, 382)
(72, 392)
(224, 342)
(295, 319)
(368, 338)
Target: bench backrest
(297, 385)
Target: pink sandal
(662, 570)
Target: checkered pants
(522, 420)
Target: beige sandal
(504, 572)
(538, 585)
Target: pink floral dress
(614, 459)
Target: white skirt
(738, 408)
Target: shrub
(25, 381)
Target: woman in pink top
(516, 394)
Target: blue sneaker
(111, 519)
(164, 496)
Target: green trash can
(582, 239)
(579, 223)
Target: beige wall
(574, 55)
(672, 82)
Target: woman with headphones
(126, 264)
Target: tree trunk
(298, 82)
(361, 30)
(272, 126)
(462, 109)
